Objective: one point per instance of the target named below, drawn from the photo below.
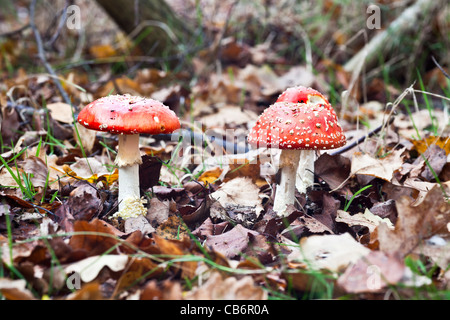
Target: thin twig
(440, 68)
(14, 32)
(41, 54)
(60, 26)
(361, 139)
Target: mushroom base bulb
(131, 208)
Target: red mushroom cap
(287, 125)
(128, 114)
(306, 95)
(299, 94)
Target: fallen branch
(386, 39)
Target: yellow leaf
(102, 51)
(210, 176)
(442, 142)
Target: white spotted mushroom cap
(287, 125)
(127, 114)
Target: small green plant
(347, 204)
(22, 179)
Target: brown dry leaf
(89, 291)
(168, 290)
(87, 137)
(314, 225)
(230, 288)
(239, 192)
(436, 249)
(34, 252)
(101, 237)
(176, 248)
(89, 268)
(6, 180)
(123, 85)
(422, 145)
(436, 159)
(244, 168)
(89, 169)
(382, 168)
(366, 219)
(192, 214)
(137, 268)
(415, 223)
(102, 51)
(33, 166)
(208, 228)
(172, 228)
(158, 211)
(227, 115)
(372, 273)
(210, 176)
(10, 123)
(331, 252)
(231, 243)
(138, 223)
(334, 170)
(234, 52)
(55, 171)
(84, 202)
(61, 112)
(85, 168)
(15, 289)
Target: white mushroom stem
(285, 193)
(305, 170)
(297, 172)
(128, 159)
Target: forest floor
(375, 225)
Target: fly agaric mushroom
(298, 129)
(129, 116)
(309, 96)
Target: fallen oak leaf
(415, 223)
(366, 219)
(167, 290)
(84, 202)
(61, 112)
(15, 289)
(89, 268)
(238, 192)
(422, 145)
(331, 252)
(37, 169)
(89, 291)
(208, 228)
(138, 268)
(94, 237)
(382, 168)
(230, 288)
(372, 273)
(231, 243)
(333, 169)
(176, 248)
